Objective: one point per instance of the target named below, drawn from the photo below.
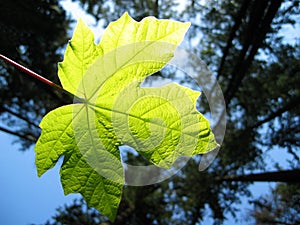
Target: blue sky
(26, 198)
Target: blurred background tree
(34, 34)
(281, 206)
(245, 47)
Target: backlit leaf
(161, 124)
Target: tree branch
(23, 136)
(5, 109)
(258, 35)
(290, 105)
(232, 33)
(289, 176)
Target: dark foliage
(32, 33)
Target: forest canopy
(244, 45)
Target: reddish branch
(33, 74)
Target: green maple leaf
(162, 124)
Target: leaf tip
(40, 171)
(80, 21)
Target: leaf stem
(36, 76)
